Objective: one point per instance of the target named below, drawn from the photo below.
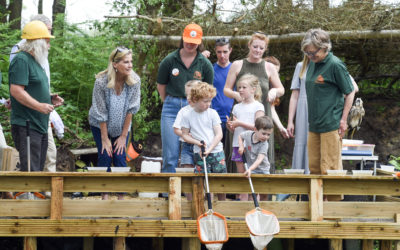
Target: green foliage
(8, 37)
(395, 161)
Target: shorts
(259, 171)
(187, 154)
(215, 163)
(235, 155)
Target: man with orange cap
(30, 96)
(179, 67)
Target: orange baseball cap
(192, 34)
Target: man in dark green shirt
(30, 96)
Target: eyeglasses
(119, 49)
(222, 40)
(311, 54)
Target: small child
(186, 148)
(254, 145)
(204, 124)
(273, 60)
(244, 115)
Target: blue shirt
(221, 103)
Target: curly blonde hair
(253, 82)
(202, 90)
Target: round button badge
(175, 72)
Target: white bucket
(150, 167)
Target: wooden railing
(176, 217)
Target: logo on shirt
(175, 72)
(319, 79)
(249, 148)
(197, 75)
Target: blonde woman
(116, 97)
(267, 74)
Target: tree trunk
(58, 8)
(359, 4)
(15, 8)
(3, 9)
(40, 7)
(181, 8)
(285, 3)
(320, 5)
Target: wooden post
(88, 243)
(397, 242)
(397, 245)
(30, 243)
(157, 244)
(198, 197)
(119, 243)
(367, 244)
(336, 244)
(316, 200)
(197, 210)
(174, 198)
(57, 194)
(290, 244)
(386, 245)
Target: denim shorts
(235, 155)
(187, 154)
(259, 171)
(215, 163)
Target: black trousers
(38, 147)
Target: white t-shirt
(245, 112)
(201, 125)
(178, 119)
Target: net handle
(203, 149)
(251, 183)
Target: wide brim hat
(192, 34)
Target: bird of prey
(355, 116)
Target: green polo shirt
(24, 70)
(173, 73)
(326, 84)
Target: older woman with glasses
(116, 97)
(176, 69)
(267, 74)
(330, 94)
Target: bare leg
(263, 197)
(221, 197)
(240, 169)
(104, 196)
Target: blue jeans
(170, 141)
(186, 153)
(103, 160)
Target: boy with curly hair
(204, 126)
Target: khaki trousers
(325, 152)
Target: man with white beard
(30, 95)
(51, 156)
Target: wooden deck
(176, 217)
